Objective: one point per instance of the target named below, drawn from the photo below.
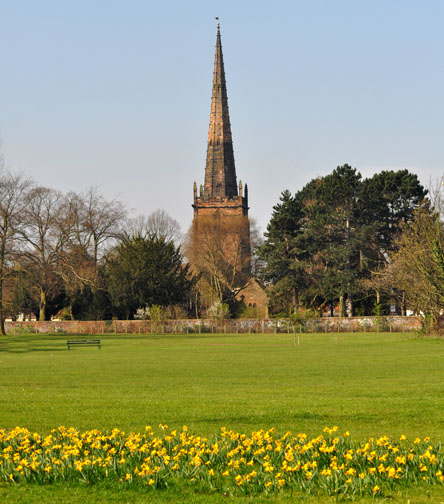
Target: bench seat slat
(83, 343)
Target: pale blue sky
(117, 93)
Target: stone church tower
(220, 172)
(221, 206)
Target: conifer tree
(145, 270)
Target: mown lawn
(76, 494)
(370, 384)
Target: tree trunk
(294, 301)
(42, 313)
(197, 305)
(2, 312)
(350, 306)
(341, 306)
(2, 277)
(347, 307)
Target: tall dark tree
(336, 236)
(284, 252)
(387, 201)
(334, 233)
(145, 270)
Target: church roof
(220, 172)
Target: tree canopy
(331, 235)
(338, 241)
(146, 270)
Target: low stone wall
(325, 324)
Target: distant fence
(199, 326)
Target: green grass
(369, 384)
(75, 494)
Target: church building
(221, 205)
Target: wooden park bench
(91, 342)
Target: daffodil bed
(231, 463)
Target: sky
(116, 93)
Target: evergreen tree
(284, 253)
(324, 241)
(388, 201)
(336, 236)
(145, 270)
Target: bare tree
(415, 272)
(163, 225)
(256, 241)
(101, 221)
(219, 251)
(158, 223)
(44, 243)
(13, 191)
(89, 222)
(136, 225)
(72, 222)
(79, 268)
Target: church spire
(220, 172)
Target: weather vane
(218, 24)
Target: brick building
(221, 204)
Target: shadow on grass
(29, 349)
(19, 344)
(25, 343)
(46, 342)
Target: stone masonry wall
(355, 324)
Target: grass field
(369, 384)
